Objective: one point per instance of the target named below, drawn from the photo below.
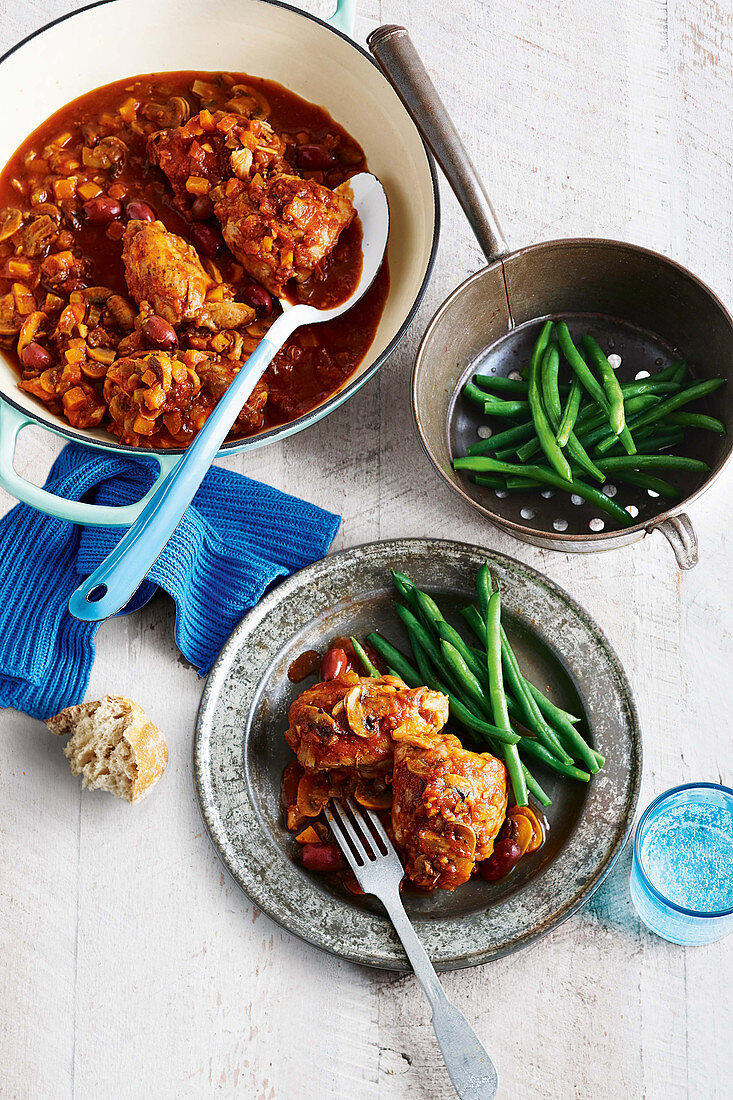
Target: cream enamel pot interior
(119, 38)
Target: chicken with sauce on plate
(382, 742)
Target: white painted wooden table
(130, 966)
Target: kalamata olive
(505, 856)
(334, 664)
(102, 209)
(257, 297)
(202, 208)
(140, 211)
(206, 239)
(35, 357)
(322, 857)
(313, 158)
(159, 333)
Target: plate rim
(395, 547)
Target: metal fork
(373, 859)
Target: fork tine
(359, 844)
(362, 816)
(342, 840)
(379, 829)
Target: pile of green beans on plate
(488, 694)
(566, 435)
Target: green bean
(551, 711)
(528, 745)
(669, 372)
(680, 372)
(653, 462)
(611, 387)
(416, 628)
(542, 425)
(647, 385)
(473, 393)
(404, 586)
(370, 668)
(540, 344)
(534, 788)
(550, 365)
(468, 684)
(696, 420)
(514, 484)
(478, 668)
(572, 737)
(484, 590)
(570, 414)
(501, 439)
(517, 387)
(498, 698)
(580, 368)
(531, 714)
(467, 718)
(506, 408)
(653, 439)
(396, 660)
(492, 482)
(588, 380)
(484, 464)
(591, 434)
(500, 384)
(671, 404)
(427, 609)
(648, 481)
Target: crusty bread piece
(114, 746)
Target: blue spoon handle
(112, 585)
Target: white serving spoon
(115, 581)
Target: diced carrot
(308, 836)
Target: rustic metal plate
(240, 752)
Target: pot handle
(343, 17)
(680, 534)
(12, 422)
(399, 61)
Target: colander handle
(680, 534)
(401, 64)
(12, 422)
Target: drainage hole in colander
(485, 432)
(609, 490)
(515, 376)
(560, 524)
(641, 374)
(527, 513)
(548, 494)
(652, 493)
(575, 499)
(596, 524)
(632, 510)
(501, 493)
(614, 361)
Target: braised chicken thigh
(164, 270)
(211, 148)
(351, 722)
(448, 806)
(281, 228)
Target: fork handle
(469, 1067)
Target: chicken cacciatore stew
(147, 231)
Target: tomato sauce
(317, 360)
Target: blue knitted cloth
(237, 538)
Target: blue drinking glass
(682, 869)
